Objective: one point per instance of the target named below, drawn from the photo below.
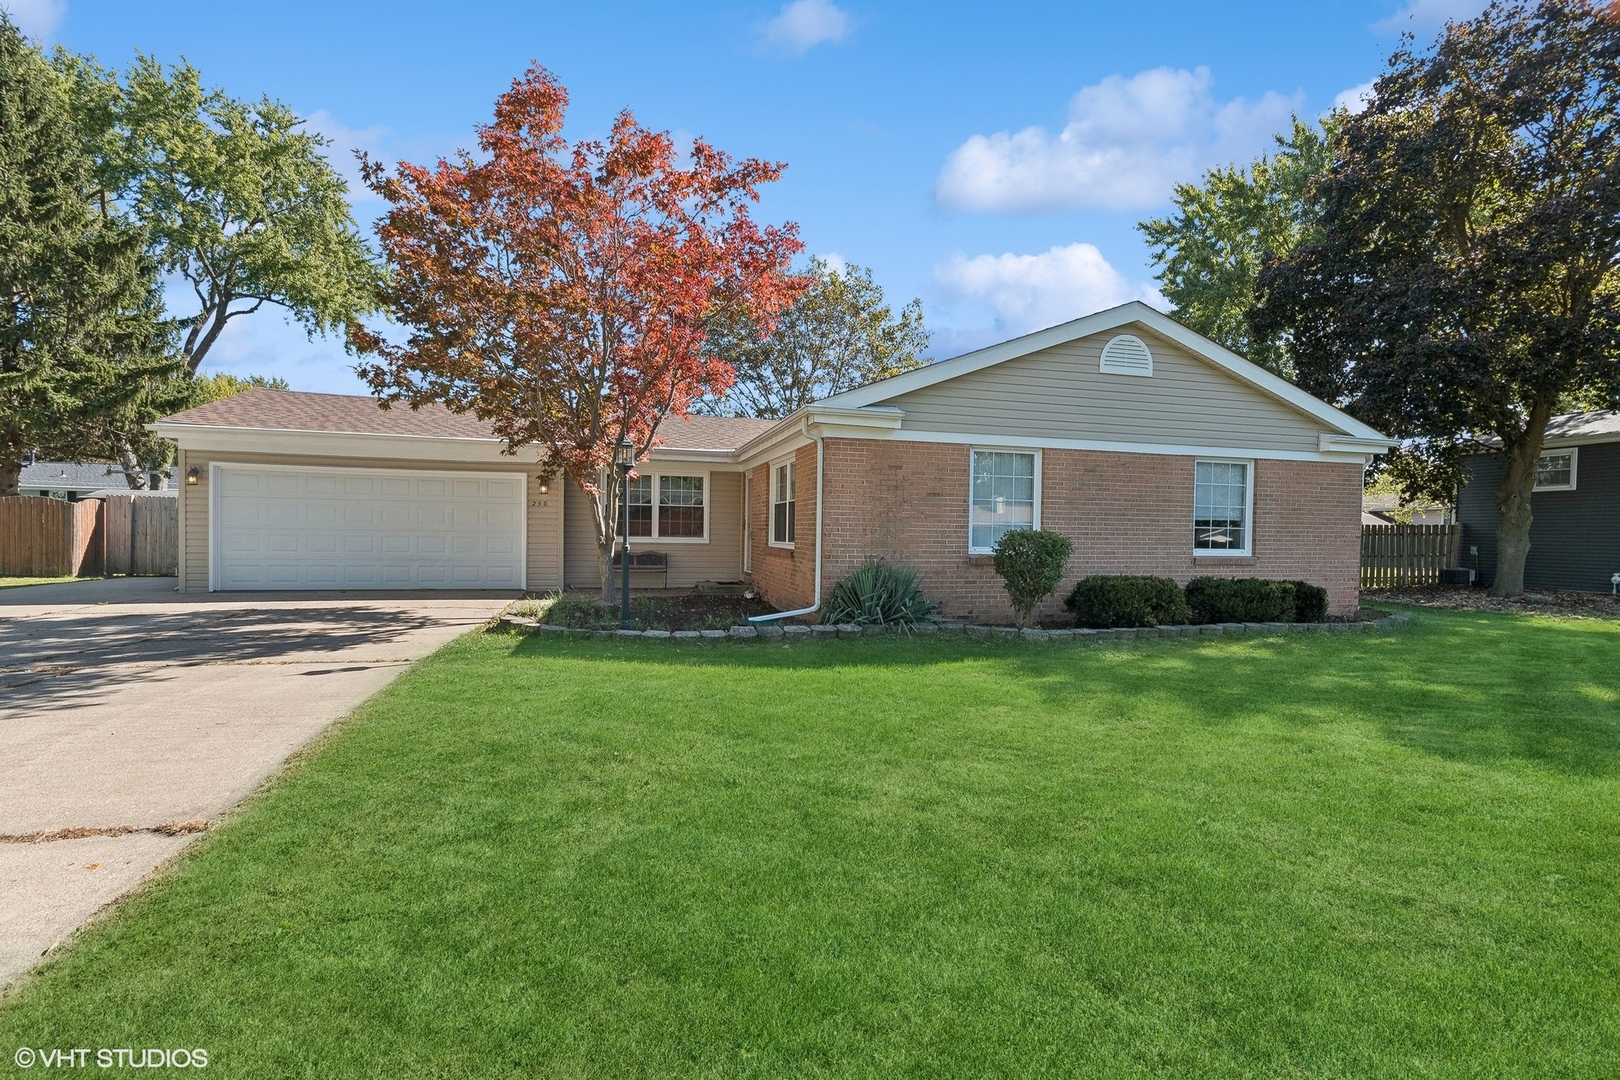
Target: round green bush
(1240, 600)
(1104, 601)
(1030, 562)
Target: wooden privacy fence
(42, 537)
(143, 534)
(121, 534)
(1394, 555)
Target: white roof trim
(1135, 311)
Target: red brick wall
(785, 577)
(1127, 514)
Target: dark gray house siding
(1575, 535)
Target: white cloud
(1127, 142)
(803, 24)
(1354, 99)
(36, 18)
(835, 262)
(1425, 15)
(1030, 292)
(345, 141)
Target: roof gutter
(815, 600)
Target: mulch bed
(687, 612)
(1576, 605)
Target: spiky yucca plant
(878, 592)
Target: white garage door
(291, 527)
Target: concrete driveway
(132, 716)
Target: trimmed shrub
(1104, 601)
(1030, 562)
(878, 592)
(1222, 600)
(1310, 602)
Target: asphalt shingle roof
(1584, 425)
(70, 476)
(296, 410)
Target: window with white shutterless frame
(1004, 493)
(670, 507)
(784, 503)
(1223, 507)
(1555, 470)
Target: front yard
(1328, 856)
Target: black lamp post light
(626, 460)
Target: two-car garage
(317, 527)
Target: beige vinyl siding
(1059, 393)
(545, 512)
(579, 539)
(718, 560)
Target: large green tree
(839, 334)
(1466, 277)
(83, 346)
(237, 199)
(1224, 228)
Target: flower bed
(825, 632)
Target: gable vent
(1126, 354)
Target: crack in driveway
(79, 832)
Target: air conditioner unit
(1457, 575)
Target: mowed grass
(1390, 855)
(20, 582)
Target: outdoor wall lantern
(192, 476)
(625, 458)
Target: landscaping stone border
(823, 632)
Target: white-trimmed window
(1556, 471)
(1005, 496)
(1222, 507)
(680, 512)
(784, 503)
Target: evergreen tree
(83, 346)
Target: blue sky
(990, 159)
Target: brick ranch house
(1155, 449)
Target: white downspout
(815, 601)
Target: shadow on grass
(1468, 687)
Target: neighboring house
(1156, 450)
(1387, 509)
(1575, 509)
(73, 481)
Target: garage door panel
(321, 528)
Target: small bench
(643, 562)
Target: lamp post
(626, 460)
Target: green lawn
(17, 582)
(1390, 855)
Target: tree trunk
(605, 516)
(1513, 505)
(11, 461)
(134, 474)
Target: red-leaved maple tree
(561, 292)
